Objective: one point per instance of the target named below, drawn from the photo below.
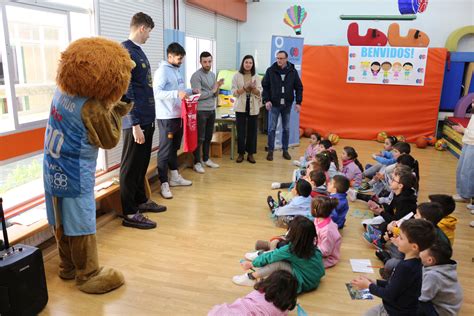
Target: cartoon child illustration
(386, 66)
(375, 68)
(396, 68)
(365, 65)
(408, 67)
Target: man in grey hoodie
(204, 80)
(169, 90)
(441, 293)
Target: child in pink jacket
(267, 299)
(329, 239)
(351, 167)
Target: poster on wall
(387, 65)
(294, 47)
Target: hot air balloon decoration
(294, 18)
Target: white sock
(174, 174)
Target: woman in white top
(465, 171)
(247, 89)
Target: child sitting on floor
(318, 182)
(404, 202)
(275, 295)
(400, 293)
(311, 151)
(384, 158)
(381, 179)
(337, 188)
(329, 238)
(333, 170)
(427, 211)
(299, 256)
(351, 167)
(448, 222)
(299, 205)
(441, 293)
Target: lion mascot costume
(86, 114)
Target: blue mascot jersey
(69, 159)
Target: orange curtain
(360, 111)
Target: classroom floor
(185, 266)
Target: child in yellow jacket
(448, 223)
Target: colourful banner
(387, 65)
(294, 47)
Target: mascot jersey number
(85, 115)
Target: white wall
(324, 27)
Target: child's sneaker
(271, 203)
(383, 255)
(297, 163)
(243, 279)
(373, 240)
(251, 256)
(470, 207)
(364, 187)
(276, 185)
(281, 200)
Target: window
(36, 39)
(194, 47)
(32, 38)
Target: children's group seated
(313, 206)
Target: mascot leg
(91, 278)
(66, 266)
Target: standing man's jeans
(205, 124)
(273, 114)
(170, 135)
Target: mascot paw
(67, 275)
(105, 281)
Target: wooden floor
(185, 266)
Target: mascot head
(95, 68)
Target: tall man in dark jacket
(280, 86)
(138, 128)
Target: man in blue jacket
(138, 128)
(280, 86)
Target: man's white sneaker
(459, 198)
(198, 168)
(165, 191)
(251, 256)
(179, 181)
(276, 185)
(243, 280)
(352, 194)
(211, 164)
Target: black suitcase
(23, 288)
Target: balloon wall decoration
(294, 18)
(412, 6)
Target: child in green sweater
(299, 256)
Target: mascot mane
(86, 70)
